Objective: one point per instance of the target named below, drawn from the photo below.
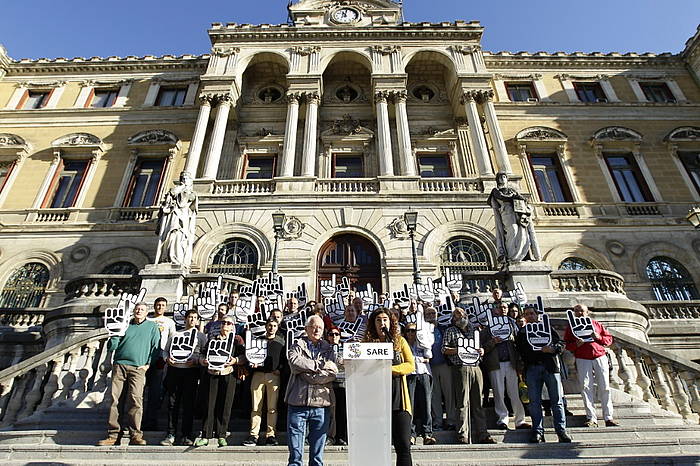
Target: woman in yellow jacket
(382, 326)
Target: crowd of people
(443, 372)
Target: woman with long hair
(383, 326)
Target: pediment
(540, 133)
(360, 12)
(77, 140)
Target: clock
(346, 15)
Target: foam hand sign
(217, 287)
(468, 349)
(415, 318)
(297, 321)
(481, 311)
(219, 352)
(539, 334)
(271, 285)
(581, 327)
(350, 331)
(441, 291)
(180, 310)
(500, 326)
(117, 321)
(183, 344)
(403, 297)
(343, 287)
(255, 349)
(256, 322)
(128, 301)
(245, 305)
(368, 296)
(328, 287)
(300, 294)
(206, 303)
(444, 313)
(518, 295)
(453, 281)
(335, 307)
(426, 291)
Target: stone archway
(353, 256)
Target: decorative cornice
(386, 49)
(303, 51)
(108, 64)
(465, 49)
(509, 60)
(225, 52)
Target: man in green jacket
(133, 353)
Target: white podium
(368, 394)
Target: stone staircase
(52, 411)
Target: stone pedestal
(534, 276)
(166, 280)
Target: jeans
(535, 377)
(421, 393)
(154, 389)
(401, 436)
(181, 386)
(298, 418)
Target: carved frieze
(154, 137)
(617, 133)
(7, 139)
(540, 133)
(685, 133)
(77, 139)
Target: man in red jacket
(591, 359)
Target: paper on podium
(368, 393)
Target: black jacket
(531, 357)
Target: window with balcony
(521, 92)
(171, 96)
(589, 92)
(434, 166)
(575, 263)
(259, 167)
(670, 281)
(657, 92)
(103, 98)
(235, 257)
(145, 183)
(66, 184)
(347, 166)
(34, 99)
(25, 287)
(628, 178)
(549, 178)
(691, 162)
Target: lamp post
(277, 224)
(411, 219)
(694, 217)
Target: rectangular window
(260, 167)
(103, 98)
(628, 179)
(691, 162)
(171, 97)
(549, 178)
(657, 92)
(35, 99)
(145, 183)
(434, 166)
(521, 92)
(347, 166)
(589, 92)
(67, 183)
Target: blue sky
(68, 28)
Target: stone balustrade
(445, 185)
(673, 309)
(588, 281)
(19, 319)
(134, 214)
(100, 285)
(242, 187)
(231, 282)
(73, 374)
(590, 211)
(346, 185)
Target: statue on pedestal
(177, 219)
(515, 235)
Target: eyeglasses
(410, 331)
(334, 334)
(228, 322)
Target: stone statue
(177, 219)
(515, 235)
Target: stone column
(290, 136)
(499, 145)
(211, 164)
(308, 161)
(200, 131)
(477, 135)
(408, 159)
(386, 165)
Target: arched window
(464, 255)
(235, 257)
(575, 263)
(670, 280)
(120, 268)
(25, 287)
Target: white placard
(368, 351)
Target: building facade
(343, 120)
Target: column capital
(293, 97)
(467, 97)
(477, 95)
(381, 96)
(222, 98)
(312, 97)
(399, 96)
(205, 99)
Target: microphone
(386, 332)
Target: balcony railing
(586, 281)
(346, 185)
(242, 187)
(569, 210)
(22, 319)
(98, 286)
(447, 185)
(673, 309)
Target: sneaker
(591, 423)
(223, 442)
(201, 442)
(563, 437)
(536, 437)
(168, 441)
(611, 423)
(108, 442)
(329, 441)
(413, 440)
(272, 441)
(250, 441)
(502, 426)
(429, 440)
(187, 442)
(341, 442)
(524, 425)
(137, 440)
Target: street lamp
(411, 219)
(277, 224)
(694, 217)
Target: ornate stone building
(343, 120)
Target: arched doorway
(351, 256)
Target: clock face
(345, 15)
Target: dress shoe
(536, 437)
(502, 426)
(563, 437)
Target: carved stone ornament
(347, 126)
(7, 139)
(615, 247)
(153, 137)
(79, 253)
(686, 133)
(77, 139)
(617, 133)
(293, 228)
(398, 228)
(540, 133)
